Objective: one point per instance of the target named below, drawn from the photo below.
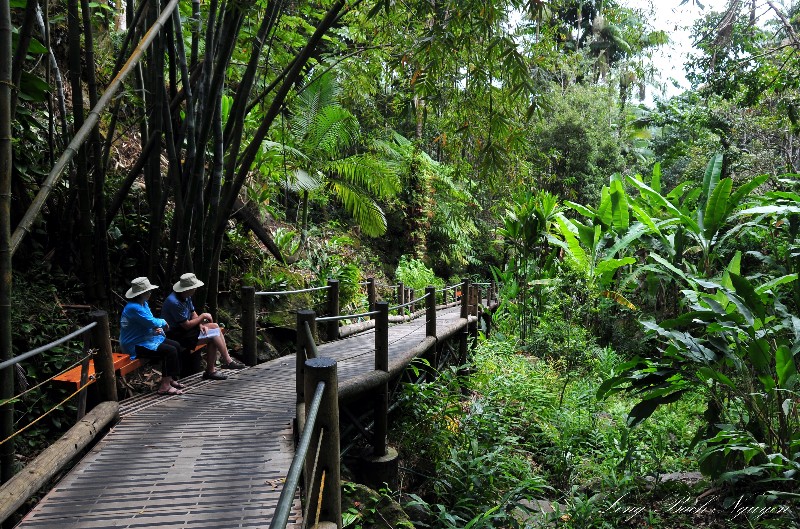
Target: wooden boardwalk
(212, 458)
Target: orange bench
(122, 366)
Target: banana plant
(736, 344)
(707, 226)
(593, 245)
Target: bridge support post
(325, 492)
(332, 330)
(413, 307)
(382, 393)
(371, 293)
(380, 464)
(249, 338)
(104, 359)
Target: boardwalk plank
(215, 457)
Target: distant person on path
(188, 328)
(142, 335)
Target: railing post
(333, 309)
(104, 359)
(382, 336)
(303, 317)
(380, 465)
(401, 296)
(411, 297)
(325, 493)
(465, 297)
(249, 338)
(430, 312)
(382, 393)
(371, 293)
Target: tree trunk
(100, 279)
(6, 352)
(81, 175)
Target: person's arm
(146, 318)
(197, 321)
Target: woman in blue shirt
(142, 334)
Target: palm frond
(366, 212)
(302, 180)
(282, 149)
(333, 130)
(366, 172)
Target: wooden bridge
(217, 456)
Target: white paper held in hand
(210, 333)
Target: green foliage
(734, 346)
(37, 321)
(576, 145)
(320, 157)
(414, 274)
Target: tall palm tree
(321, 153)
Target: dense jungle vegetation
(642, 366)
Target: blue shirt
(176, 310)
(137, 327)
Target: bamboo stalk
(6, 352)
(56, 172)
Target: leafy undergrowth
(510, 441)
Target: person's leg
(169, 354)
(217, 344)
(172, 359)
(211, 356)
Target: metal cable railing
(284, 507)
(340, 317)
(46, 347)
(285, 292)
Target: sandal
(170, 392)
(233, 364)
(177, 385)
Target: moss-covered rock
(368, 509)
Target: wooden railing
(19, 488)
(374, 383)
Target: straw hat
(187, 282)
(140, 285)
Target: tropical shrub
(414, 274)
(736, 347)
